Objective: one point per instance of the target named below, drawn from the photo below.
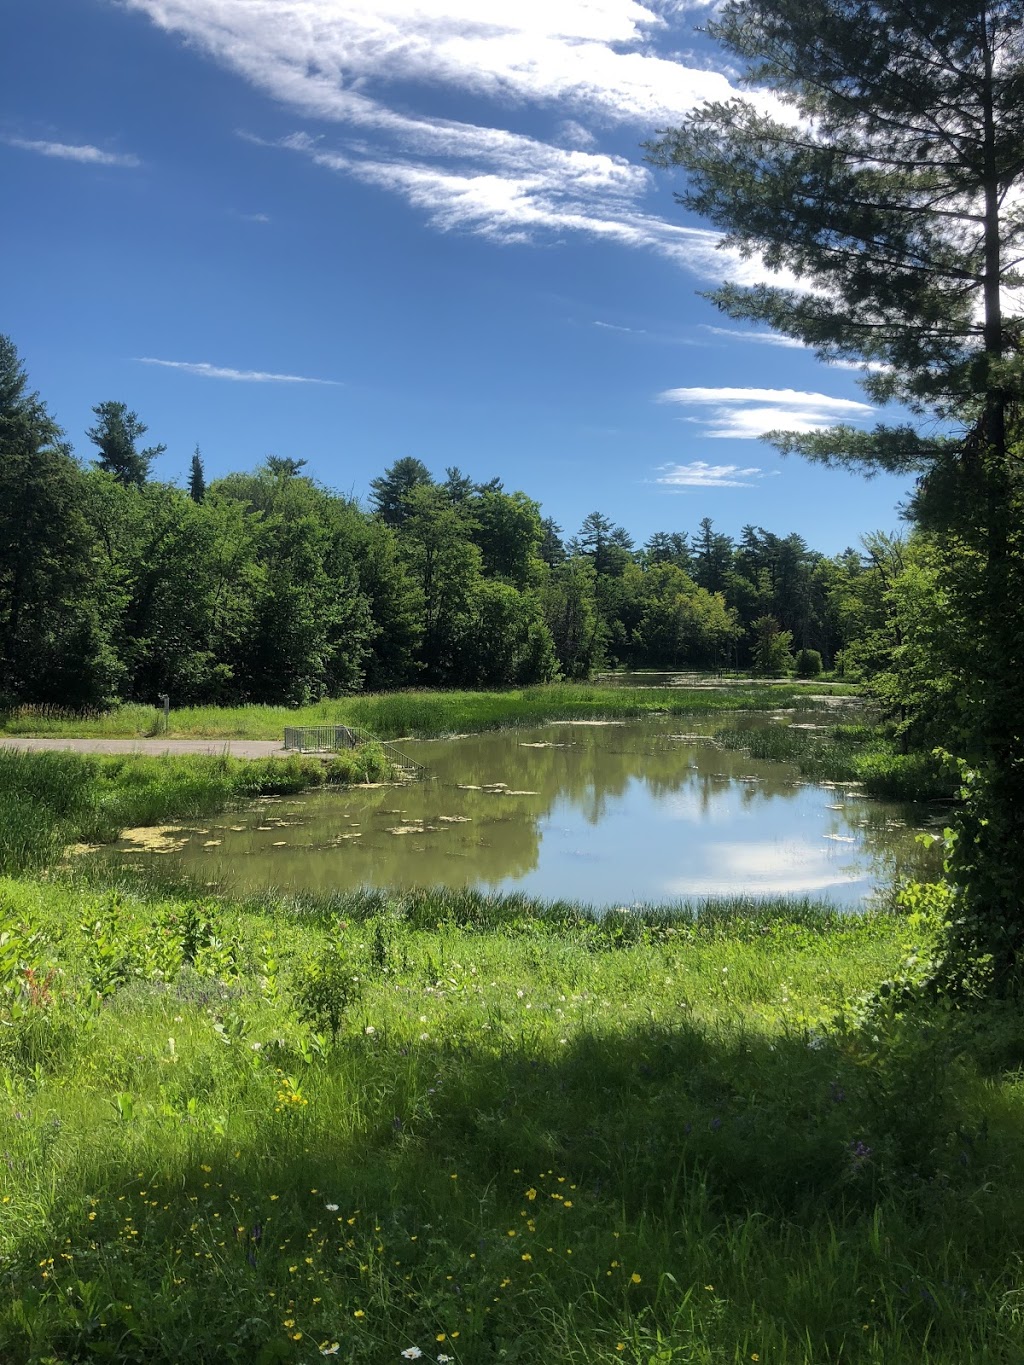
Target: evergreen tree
(391, 492)
(54, 644)
(116, 434)
(197, 478)
(551, 549)
(896, 193)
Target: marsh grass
(848, 753)
(537, 1137)
(422, 713)
(50, 800)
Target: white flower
(412, 1353)
(369, 1030)
(443, 1360)
(331, 1208)
(424, 1037)
(331, 1350)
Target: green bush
(808, 663)
(326, 986)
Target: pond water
(609, 814)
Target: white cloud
(761, 338)
(588, 64)
(594, 56)
(208, 371)
(66, 151)
(614, 327)
(525, 189)
(746, 414)
(700, 474)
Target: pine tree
(197, 478)
(115, 434)
(895, 191)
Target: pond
(612, 814)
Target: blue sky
(353, 230)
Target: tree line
(268, 587)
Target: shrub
(325, 987)
(808, 663)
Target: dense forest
(268, 587)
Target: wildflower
(444, 1360)
(412, 1353)
(634, 1278)
(370, 1031)
(331, 1350)
(526, 1256)
(331, 1208)
(531, 1193)
(359, 1313)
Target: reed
(422, 713)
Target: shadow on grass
(663, 1195)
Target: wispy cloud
(748, 413)
(68, 151)
(593, 62)
(614, 327)
(700, 474)
(759, 338)
(207, 371)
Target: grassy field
(453, 1125)
(423, 713)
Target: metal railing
(320, 739)
(312, 739)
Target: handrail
(330, 738)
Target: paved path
(237, 748)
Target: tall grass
(50, 800)
(529, 1141)
(423, 713)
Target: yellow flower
(634, 1278)
(526, 1256)
(359, 1313)
(531, 1193)
(621, 1346)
